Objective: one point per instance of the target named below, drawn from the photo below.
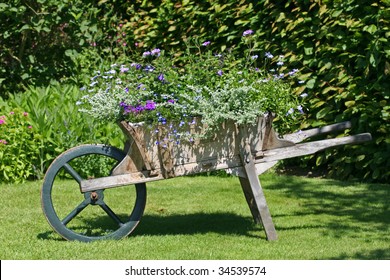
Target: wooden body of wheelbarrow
(243, 150)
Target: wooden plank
(116, 181)
(304, 134)
(309, 148)
(137, 150)
(270, 139)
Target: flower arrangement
(167, 89)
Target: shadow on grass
(186, 224)
(199, 223)
(354, 210)
(364, 203)
(378, 254)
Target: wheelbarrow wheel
(90, 216)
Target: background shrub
(340, 47)
(19, 142)
(54, 115)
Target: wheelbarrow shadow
(182, 224)
(198, 223)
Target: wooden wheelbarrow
(153, 154)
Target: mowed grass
(206, 217)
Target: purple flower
(149, 68)
(124, 69)
(147, 53)
(300, 109)
(136, 65)
(268, 55)
(254, 57)
(161, 77)
(291, 111)
(293, 72)
(247, 32)
(206, 43)
(138, 109)
(171, 101)
(155, 52)
(220, 72)
(150, 105)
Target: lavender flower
(247, 32)
(206, 43)
(269, 55)
(290, 111)
(156, 52)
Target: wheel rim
(89, 216)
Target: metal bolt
(94, 196)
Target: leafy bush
(43, 40)
(340, 47)
(54, 115)
(19, 143)
(343, 51)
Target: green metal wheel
(102, 214)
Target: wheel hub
(95, 197)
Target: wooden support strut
(253, 191)
(137, 158)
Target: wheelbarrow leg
(254, 194)
(257, 204)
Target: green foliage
(19, 142)
(42, 40)
(342, 48)
(54, 115)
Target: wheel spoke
(111, 213)
(73, 172)
(75, 212)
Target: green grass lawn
(202, 217)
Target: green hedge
(340, 47)
(343, 50)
